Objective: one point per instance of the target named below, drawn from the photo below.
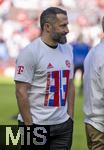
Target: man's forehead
(62, 17)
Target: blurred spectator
(17, 41)
(19, 21)
(80, 50)
(3, 50)
(100, 4)
(4, 8)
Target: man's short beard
(59, 38)
(63, 40)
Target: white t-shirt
(48, 71)
(94, 87)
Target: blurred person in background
(44, 80)
(3, 50)
(4, 9)
(94, 96)
(80, 51)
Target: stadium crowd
(19, 25)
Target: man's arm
(71, 98)
(22, 100)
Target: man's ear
(47, 27)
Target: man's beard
(59, 38)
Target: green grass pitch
(8, 109)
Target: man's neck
(54, 47)
(48, 41)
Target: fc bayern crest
(67, 62)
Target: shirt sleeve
(25, 66)
(101, 72)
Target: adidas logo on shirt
(50, 66)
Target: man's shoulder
(32, 45)
(97, 50)
(30, 49)
(96, 54)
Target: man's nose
(66, 30)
